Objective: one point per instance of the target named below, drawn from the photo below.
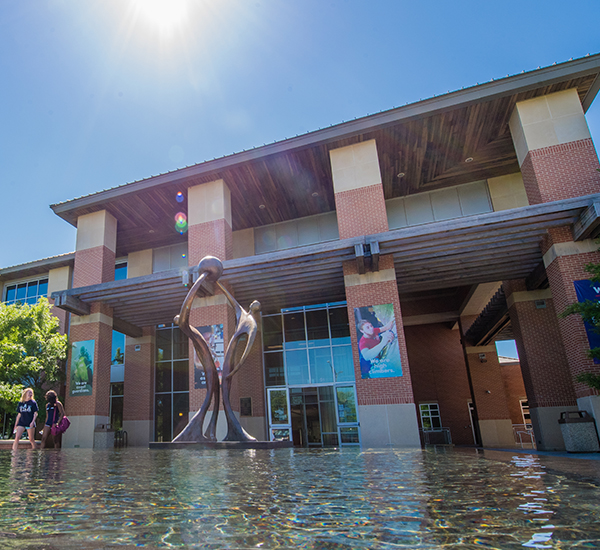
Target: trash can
(579, 432)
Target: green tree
(590, 313)
(32, 350)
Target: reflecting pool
(296, 498)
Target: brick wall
(544, 364)
(561, 171)
(210, 239)
(439, 374)
(384, 390)
(361, 211)
(138, 400)
(97, 403)
(561, 274)
(487, 377)
(515, 390)
(93, 266)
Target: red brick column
(561, 171)
(396, 393)
(562, 271)
(495, 424)
(94, 264)
(138, 399)
(558, 160)
(544, 364)
(210, 234)
(87, 411)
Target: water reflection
(292, 498)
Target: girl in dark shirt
(54, 412)
(27, 412)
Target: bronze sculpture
(238, 349)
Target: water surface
(296, 498)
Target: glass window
(280, 434)
(346, 404)
(343, 363)
(317, 328)
(181, 409)
(163, 377)
(163, 345)
(121, 271)
(296, 367)
(274, 372)
(278, 407)
(349, 435)
(295, 335)
(116, 405)
(320, 365)
(172, 381)
(11, 294)
(272, 333)
(26, 293)
(430, 416)
(340, 329)
(43, 288)
(181, 376)
(163, 417)
(180, 345)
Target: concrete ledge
(221, 445)
(23, 444)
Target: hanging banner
(82, 367)
(586, 290)
(213, 334)
(377, 341)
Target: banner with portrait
(213, 334)
(82, 367)
(377, 339)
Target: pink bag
(61, 427)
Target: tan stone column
(558, 161)
(554, 147)
(386, 407)
(209, 233)
(94, 264)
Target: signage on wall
(213, 334)
(586, 290)
(82, 367)
(377, 339)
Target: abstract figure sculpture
(238, 349)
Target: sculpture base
(221, 445)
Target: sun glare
(165, 14)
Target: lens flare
(181, 225)
(179, 197)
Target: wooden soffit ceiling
(427, 142)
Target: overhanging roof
(427, 141)
(488, 247)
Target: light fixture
(469, 159)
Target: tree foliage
(32, 350)
(590, 313)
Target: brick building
(388, 253)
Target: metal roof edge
(58, 261)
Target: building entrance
(313, 417)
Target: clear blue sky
(97, 93)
